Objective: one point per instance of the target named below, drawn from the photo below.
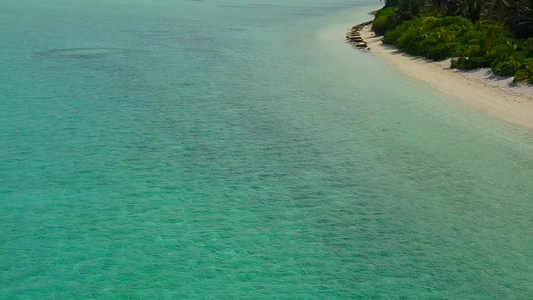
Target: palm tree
(472, 9)
(523, 24)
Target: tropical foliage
(476, 33)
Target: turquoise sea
(238, 149)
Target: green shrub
(454, 64)
(392, 36)
(382, 20)
(472, 50)
(520, 76)
(410, 41)
(528, 48)
(507, 67)
(379, 26)
(528, 65)
(385, 12)
(457, 22)
(444, 50)
(525, 74)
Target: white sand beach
(479, 89)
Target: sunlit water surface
(240, 149)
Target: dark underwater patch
(80, 53)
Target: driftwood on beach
(354, 37)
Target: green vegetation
(475, 33)
(380, 23)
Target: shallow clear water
(240, 149)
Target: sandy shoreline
(479, 89)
